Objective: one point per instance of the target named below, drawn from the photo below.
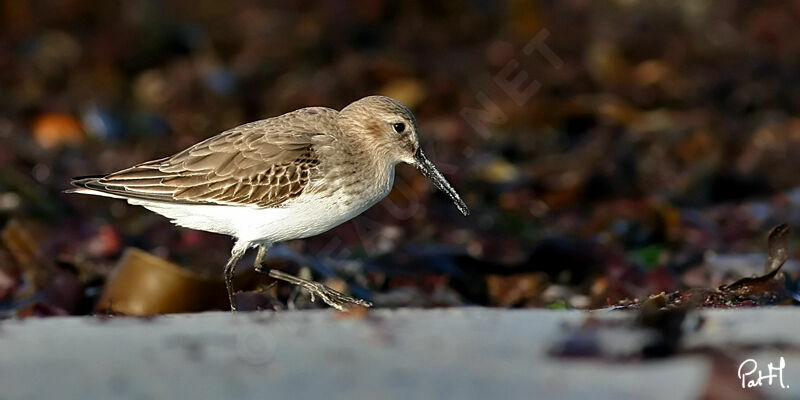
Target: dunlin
(288, 177)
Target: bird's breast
(354, 192)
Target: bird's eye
(399, 127)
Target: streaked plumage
(287, 177)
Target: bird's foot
(333, 298)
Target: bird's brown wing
(261, 164)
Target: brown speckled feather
(263, 164)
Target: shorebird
(288, 177)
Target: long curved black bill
(429, 170)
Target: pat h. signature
(749, 367)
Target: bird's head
(388, 129)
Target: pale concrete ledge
(407, 354)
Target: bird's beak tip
(429, 170)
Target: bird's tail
(89, 185)
(82, 183)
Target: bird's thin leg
(237, 253)
(262, 250)
(331, 297)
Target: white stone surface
(407, 354)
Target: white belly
(302, 217)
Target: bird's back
(262, 163)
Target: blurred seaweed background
(653, 147)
